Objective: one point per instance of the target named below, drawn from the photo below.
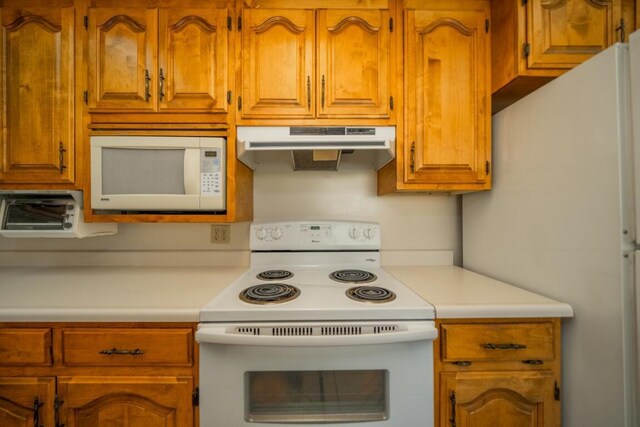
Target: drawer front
(127, 347)
(497, 342)
(25, 346)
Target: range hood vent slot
(315, 148)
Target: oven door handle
(218, 334)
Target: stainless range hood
(315, 147)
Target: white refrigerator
(561, 221)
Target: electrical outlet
(220, 233)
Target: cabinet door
(353, 63)
(36, 95)
(498, 399)
(447, 91)
(193, 60)
(130, 401)
(122, 59)
(26, 402)
(277, 63)
(565, 33)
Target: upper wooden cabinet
(445, 144)
(534, 41)
(316, 63)
(36, 92)
(166, 59)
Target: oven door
(311, 374)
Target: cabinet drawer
(497, 341)
(25, 346)
(127, 347)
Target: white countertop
(176, 294)
(460, 293)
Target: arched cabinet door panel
(37, 59)
(131, 401)
(26, 401)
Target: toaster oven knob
(67, 225)
(261, 233)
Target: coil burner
(372, 294)
(352, 276)
(269, 293)
(275, 275)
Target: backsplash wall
(409, 222)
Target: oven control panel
(320, 235)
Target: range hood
(315, 147)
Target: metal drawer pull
(462, 363)
(509, 346)
(533, 362)
(135, 352)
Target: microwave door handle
(192, 171)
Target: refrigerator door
(554, 222)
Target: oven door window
(316, 396)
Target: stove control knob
(355, 233)
(261, 233)
(276, 233)
(369, 233)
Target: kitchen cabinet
(26, 401)
(444, 141)
(98, 374)
(327, 61)
(534, 41)
(37, 42)
(156, 57)
(498, 369)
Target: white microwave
(158, 173)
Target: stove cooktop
(310, 294)
(316, 271)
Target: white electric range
(316, 332)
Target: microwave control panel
(211, 170)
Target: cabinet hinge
(391, 25)
(239, 103)
(229, 95)
(556, 391)
(85, 97)
(487, 167)
(391, 102)
(239, 23)
(486, 25)
(195, 397)
(86, 22)
(526, 49)
(229, 23)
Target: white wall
(414, 222)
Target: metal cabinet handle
(114, 350)
(56, 406)
(533, 362)
(462, 363)
(412, 164)
(147, 90)
(61, 151)
(36, 411)
(322, 97)
(161, 78)
(309, 92)
(452, 399)
(507, 346)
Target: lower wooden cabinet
(126, 401)
(498, 372)
(26, 401)
(98, 375)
